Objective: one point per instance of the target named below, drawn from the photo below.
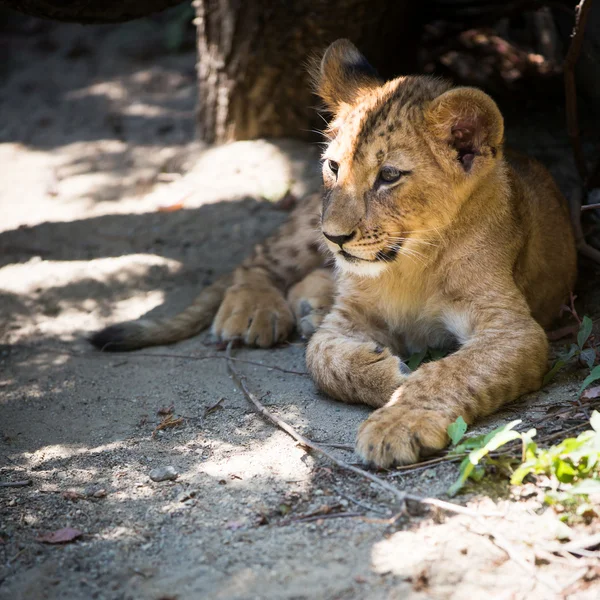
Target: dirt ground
(96, 132)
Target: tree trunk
(252, 58)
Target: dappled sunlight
(61, 451)
(259, 459)
(68, 294)
(467, 556)
(263, 168)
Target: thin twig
(338, 446)
(590, 206)
(400, 496)
(360, 502)
(15, 484)
(428, 463)
(188, 357)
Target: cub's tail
(132, 335)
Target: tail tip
(111, 339)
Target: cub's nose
(340, 240)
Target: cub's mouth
(387, 255)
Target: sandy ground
(96, 136)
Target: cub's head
(402, 157)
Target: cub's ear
(343, 74)
(470, 122)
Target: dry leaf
(61, 536)
(175, 206)
(591, 393)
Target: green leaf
(457, 430)
(570, 353)
(584, 332)
(551, 374)
(478, 473)
(523, 471)
(588, 356)
(564, 472)
(501, 438)
(437, 353)
(506, 427)
(466, 468)
(593, 376)
(415, 360)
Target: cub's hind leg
(311, 299)
(254, 308)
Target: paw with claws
(258, 315)
(397, 434)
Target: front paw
(397, 435)
(259, 315)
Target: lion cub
(440, 241)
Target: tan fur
(468, 250)
(482, 256)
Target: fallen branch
(399, 495)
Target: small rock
(164, 474)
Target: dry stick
(590, 206)
(15, 484)
(423, 465)
(401, 496)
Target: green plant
(578, 350)
(425, 356)
(478, 448)
(573, 465)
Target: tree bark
(89, 11)
(252, 58)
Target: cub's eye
(333, 166)
(390, 174)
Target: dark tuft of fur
(116, 338)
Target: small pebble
(164, 474)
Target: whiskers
(411, 253)
(404, 243)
